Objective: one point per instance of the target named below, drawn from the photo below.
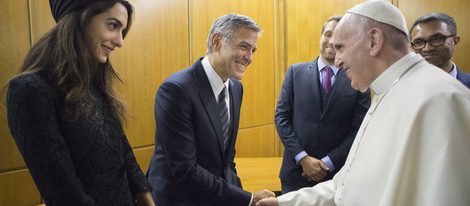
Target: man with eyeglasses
(434, 36)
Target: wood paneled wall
(16, 185)
(169, 35)
(304, 21)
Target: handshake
(264, 198)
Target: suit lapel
(314, 84)
(207, 97)
(462, 76)
(235, 99)
(340, 81)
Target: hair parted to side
(64, 54)
(441, 17)
(228, 24)
(336, 18)
(396, 38)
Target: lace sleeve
(137, 180)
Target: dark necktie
(326, 81)
(223, 113)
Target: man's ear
(216, 41)
(376, 41)
(456, 40)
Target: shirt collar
(322, 64)
(453, 72)
(214, 79)
(386, 80)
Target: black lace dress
(73, 162)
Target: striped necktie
(223, 113)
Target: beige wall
(169, 35)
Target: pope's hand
(271, 201)
(257, 196)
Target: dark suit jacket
(189, 166)
(463, 77)
(303, 124)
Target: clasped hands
(313, 169)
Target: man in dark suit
(317, 117)
(434, 36)
(197, 114)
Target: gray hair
(228, 24)
(396, 38)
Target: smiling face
(440, 55)
(105, 31)
(232, 56)
(352, 54)
(327, 52)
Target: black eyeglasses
(435, 41)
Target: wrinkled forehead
(343, 29)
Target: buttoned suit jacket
(305, 124)
(190, 165)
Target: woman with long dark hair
(65, 116)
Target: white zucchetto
(381, 11)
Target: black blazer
(463, 77)
(303, 124)
(189, 166)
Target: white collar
(453, 72)
(322, 64)
(214, 79)
(387, 79)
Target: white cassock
(413, 147)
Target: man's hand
(257, 196)
(313, 169)
(272, 201)
(144, 199)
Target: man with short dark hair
(317, 117)
(435, 37)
